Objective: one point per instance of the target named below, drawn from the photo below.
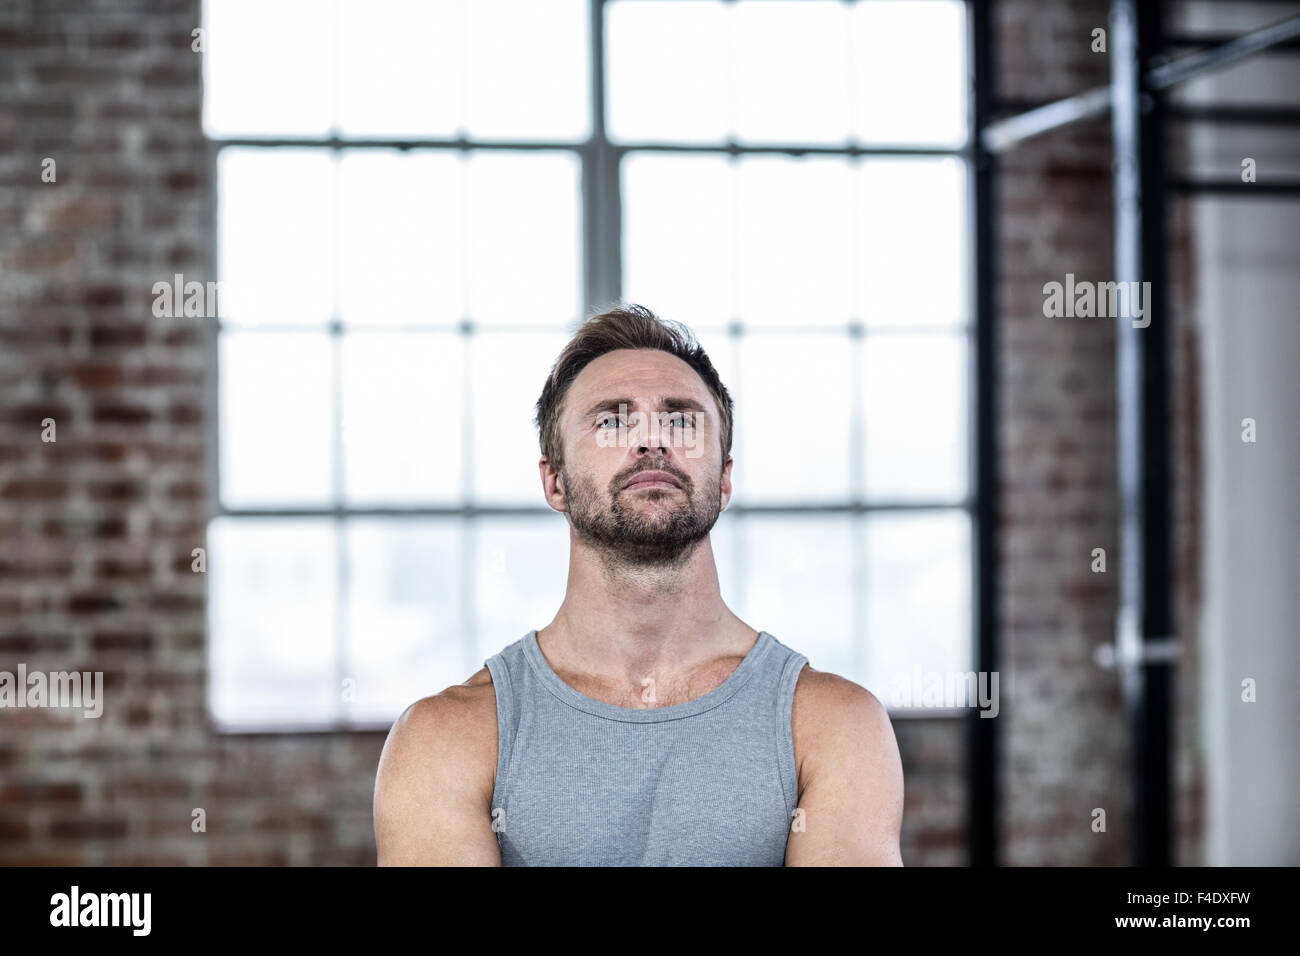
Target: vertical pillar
(1145, 621)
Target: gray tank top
(708, 782)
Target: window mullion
(601, 198)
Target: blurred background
(281, 508)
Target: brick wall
(96, 528)
(1064, 741)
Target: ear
(724, 486)
(552, 486)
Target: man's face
(627, 414)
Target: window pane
(791, 74)
(687, 103)
(405, 638)
(523, 220)
(918, 596)
(269, 68)
(521, 565)
(399, 68)
(400, 238)
(402, 423)
(681, 271)
(794, 412)
(276, 241)
(509, 370)
(799, 585)
(796, 241)
(720, 346)
(916, 408)
(274, 419)
(527, 64)
(496, 237)
(910, 78)
(914, 242)
(271, 607)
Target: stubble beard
(629, 536)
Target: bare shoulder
(458, 724)
(850, 776)
(463, 706)
(833, 715)
(436, 776)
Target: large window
(417, 202)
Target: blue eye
(608, 420)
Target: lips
(652, 479)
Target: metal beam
(1235, 187)
(1236, 115)
(1240, 114)
(1144, 625)
(982, 735)
(1217, 39)
(1217, 57)
(999, 135)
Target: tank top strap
(508, 669)
(790, 667)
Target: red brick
(121, 414)
(98, 375)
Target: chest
(651, 689)
(643, 795)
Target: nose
(652, 441)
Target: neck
(622, 620)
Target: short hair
(629, 326)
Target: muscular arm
(850, 776)
(435, 780)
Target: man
(646, 724)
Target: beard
(632, 535)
